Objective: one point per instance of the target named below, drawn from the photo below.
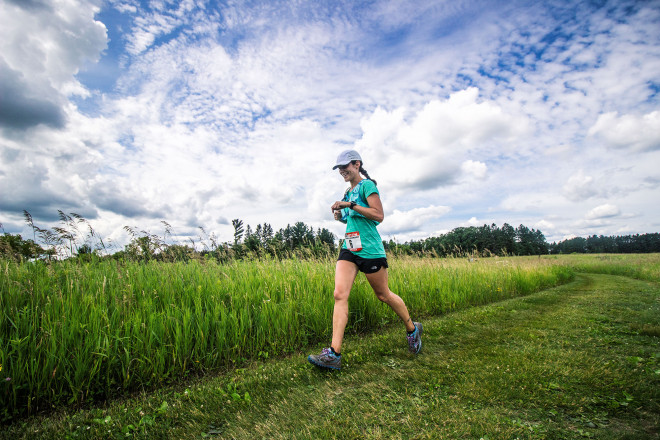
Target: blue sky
(197, 112)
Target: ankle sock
(410, 333)
(334, 352)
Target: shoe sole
(316, 364)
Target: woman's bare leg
(378, 282)
(345, 273)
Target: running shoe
(327, 359)
(415, 338)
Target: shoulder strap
(360, 192)
(346, 193)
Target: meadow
(575, 361)
(74, 332)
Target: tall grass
(639, 266)
(73, 332)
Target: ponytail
(364, 172)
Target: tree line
(492, 240)
(626, 244)
(74, 237)
(477, 241)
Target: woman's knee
(341, 295)
(383, 295)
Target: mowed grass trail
(578, 361)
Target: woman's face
(350, 171)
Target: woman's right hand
(339, 205)
(337, 215)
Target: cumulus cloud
(603, 211)
(42, 45)
(475, 169)
(414, 219)
(472, 222)
(34, 5)
(19, 110)
(429, 148)
(580, 187)
(638, 133)
(113, 198)
(544, 226)
(31, 186)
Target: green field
(78, 335)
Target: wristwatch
(353, 205)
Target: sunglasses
(343, 167)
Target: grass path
(578, 361)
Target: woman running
(363, 251)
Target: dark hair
(364, 172)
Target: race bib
(353, 242)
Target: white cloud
(544, 226)
(579, 187)
(414, 219)
(637, 133)
(473, 222)
(429, 149)
(603, 211)
(161, 21)
(460, 122)
(474, 168)
(42, 45)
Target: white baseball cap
(346, 157)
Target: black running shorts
(366, 265)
